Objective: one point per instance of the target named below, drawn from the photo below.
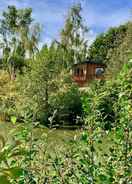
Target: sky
(99, 15)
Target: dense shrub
(98, 105)
(67, 104)
(61, 105)
(7, 96)
(104, 100)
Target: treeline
(37, 83)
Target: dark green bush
(67, 104)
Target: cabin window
(76, 71)
(99, 71)
(81, 72)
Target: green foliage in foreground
(26, 159)
(107, 103)
(85, 159)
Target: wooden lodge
(87, 71)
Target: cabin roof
(89, 62)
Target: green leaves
(119, 133)
(103, 179)
(13, 173)
(6, 175)
(84, 136)
(13, 120)
(4, 179)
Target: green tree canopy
(107, 41)
(73, 37)
(19, 37)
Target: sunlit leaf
(13, 120)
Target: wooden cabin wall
(88, 75)
(91, 68)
